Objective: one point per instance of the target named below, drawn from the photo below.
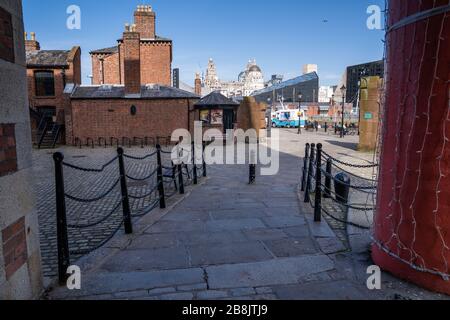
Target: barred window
(45, 83)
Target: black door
(228, 120)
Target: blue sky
(281, 35)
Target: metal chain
(84, 226)
(143, 179)
(94, 199)
(90, 169)
(349, 164)
(141, 158)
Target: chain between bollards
(61, 220)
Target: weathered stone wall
(20, 268)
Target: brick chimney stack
(31, 45)
(144, 18)
(132, 57)
(198, 85)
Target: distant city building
(326, 93)
(310, 68)
(275, 79)
(355, 73)
(306, 85)
(249, 80)
(176, 78)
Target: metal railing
(317, 178)
(162, 182)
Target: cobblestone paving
(89, 185)
(230, 240)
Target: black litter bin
(342, 187)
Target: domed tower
(211, 78)
(254, 78)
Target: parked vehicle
(288, 118)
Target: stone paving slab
(339, 290)
(234, 224)
(98, 283)
(144, 260)
(297, 232)
(154, 241)
(267, 273)
(198, 238)
(284, 221)
(227, 253)
(292, 247)
(265, 234)
(237, 213)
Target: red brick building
(99, 113)
(108, 65)
(48, 73)
(129, 110)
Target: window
(45, 83)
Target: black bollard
(194, 163)
(310, 172)
(160, 177)
(203, 157)
(305, 166)
(61, 220)
(180, 178)
(327, 193)
(125, 199)
(318, 192)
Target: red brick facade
(62, 75)
(132, 56)
(100, 118)
(144, 18)
(108, 66)
(14, 247)
(106, 69)
(8, 154)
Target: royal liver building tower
(249, 80)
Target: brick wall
(112, 118)
(8, 153)
(72, 75)
(156, 63)
(111, 70)
(14, 247)
(132, 57)
(145, 23)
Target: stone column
(412, 226)
(20, 260)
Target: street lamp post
(343, 89)
(300, 96)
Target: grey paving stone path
(230, 240)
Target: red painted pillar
(412, 225)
